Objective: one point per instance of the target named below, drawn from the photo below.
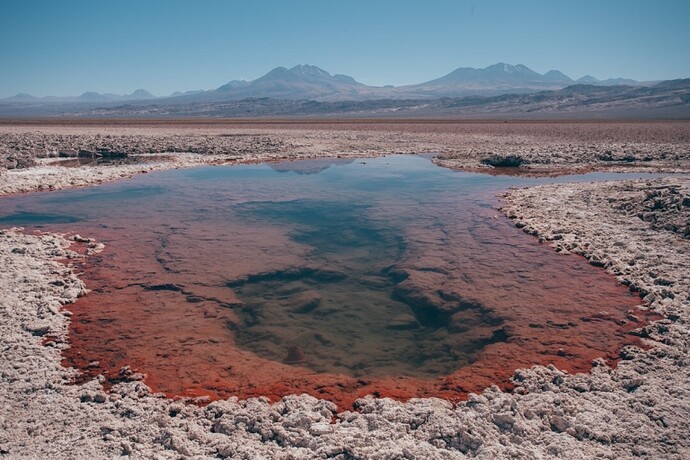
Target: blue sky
(66, 47)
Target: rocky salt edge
(638, 409)
(634, 229)
(47, 177)
(540, 149)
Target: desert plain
(635, 406)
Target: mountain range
(89, 96)
(501, 90)
(313, 83)
(665, 100)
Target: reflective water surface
(336, 278)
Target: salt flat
(635, 230)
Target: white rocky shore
(636, 230)
(638, 410)
(538, 148)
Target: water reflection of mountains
(312, 166)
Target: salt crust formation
(637, 410)
(537, 148)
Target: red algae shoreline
(100, 345)
(343, 390)
(550, 413)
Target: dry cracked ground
(636, 230)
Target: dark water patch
(163, 287)
(97, 196)
(37, 218)
(320, 275)
(311, 166)
(115, 159)
(354, 325)
(340, 227)
(349, 321)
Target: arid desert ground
(637, 230)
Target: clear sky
(66, 47)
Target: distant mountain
(298, 82)
(497, 73)
(558, 76)
(140, 94)
(313, 83)
(496, 79)
(229, 86)
(86, 97)
(21, 97)
(186, 93)
(94, 96)
(668, 99)
(308, 82)
(590, 80)
(619, 81)
(137, 95)
(587, 80)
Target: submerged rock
(305, 302)
(503, 161)
(403, 321)
(295, 355)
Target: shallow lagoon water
(373, 269)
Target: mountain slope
(496, 79)
(298, 82)
(558, 76)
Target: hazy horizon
(67, 48)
